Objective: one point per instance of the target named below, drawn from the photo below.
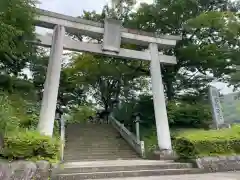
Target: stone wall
(25, 170)
(219, 164)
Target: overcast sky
(76, 7)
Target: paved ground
(214, 176)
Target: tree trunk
(169, 77)
(169, 90)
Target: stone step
(95, 159)
(82, 154)
(72, 154)
(114, 144)
(97, 131)
(67, 153)
(90, 142)
(90, 159)
(69, 168)
(95, 136)
(121, 168)
(98, 148)
(117, 174)
(97, 152)
(104, 156)
(105, 140)
(93, 149)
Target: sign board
(231, 107)
(217, 112)
(225, 108)
(112, 35)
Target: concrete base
(221, 126)
(165, 155)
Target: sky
(76, 8)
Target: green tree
(107, 79)
(70, 93)
(209, 46)
(16, 27)
(81, 114)
(207, 52)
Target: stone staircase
(96, 151)
(93, 142)
(121, 169)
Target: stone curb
(218, 164)
(25, 170)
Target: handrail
(132, 140)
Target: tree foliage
(16, 27)
(106, 79)
(70, 93)
(210, 32)
(209, 48)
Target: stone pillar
(137, 127)
(163, 132)
(48, 107)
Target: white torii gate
(113, 34)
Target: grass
(222, 134)
(208, 142)
(201, 143)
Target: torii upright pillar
(48, 107)
(163, 132)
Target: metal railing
(131, 139)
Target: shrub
(198, 143)
(30, 145)
(185, 115)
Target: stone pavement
(217, 176)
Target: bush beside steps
(30, 145)
(202, 143)
(28, 154)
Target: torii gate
(113, 34)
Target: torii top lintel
(49, 19)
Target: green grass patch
(194, 143)
(198, 143)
